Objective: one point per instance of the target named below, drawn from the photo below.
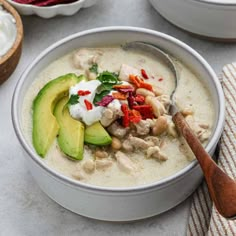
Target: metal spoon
(221, 187)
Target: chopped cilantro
(73, 99)
(94, 68)
(99, 96)
(108, 79)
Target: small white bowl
(66, 9)
(214, 19)
(107, 203)
(10, 60)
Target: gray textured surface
(24, 208)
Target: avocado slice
(45, 126)
(71, 132)
(95, 134)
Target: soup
(110, 123)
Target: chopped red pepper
(118, 95)
(83, 92)
(134, 116)
(140, 83)
(88, 104)
(135, 80)
(146, 86)
(144, 74)
(145, 111)
(160, 79)
(139, 98)
(125, 118)
(122, 86)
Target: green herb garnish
(108, 80)
(107, 77)
(99, 96)
(73, 99)
(94, 68)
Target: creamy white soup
(127, 95)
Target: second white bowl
(214, 19)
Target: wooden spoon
(221, 187)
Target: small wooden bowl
(9, 61)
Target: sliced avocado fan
(45, 125)
(71, 133)
(96, 134)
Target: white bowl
(106, 203)
(214, 19)
(51, 11)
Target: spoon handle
(221, 187)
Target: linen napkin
(204, 219)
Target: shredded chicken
(107, 117)
(126, 145)
(138, 143)
(126, 71)
(103, 164)
(143, 127)
(155, 152)
(152, 141)
(117, 130)
(124, 162)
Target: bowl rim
(30, 6)
(19, 28)
(77, 184)
(217, 3)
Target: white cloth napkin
(204, 220)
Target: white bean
(89, 166)
(101, 154)
(157, 90)
(160, 125)
(116, 143)
(157, 106)
(144, 92)
(187, 111)
(171, 130)
(78, 175)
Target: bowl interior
(113, 36)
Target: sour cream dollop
(8, 31)
(79, 111)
